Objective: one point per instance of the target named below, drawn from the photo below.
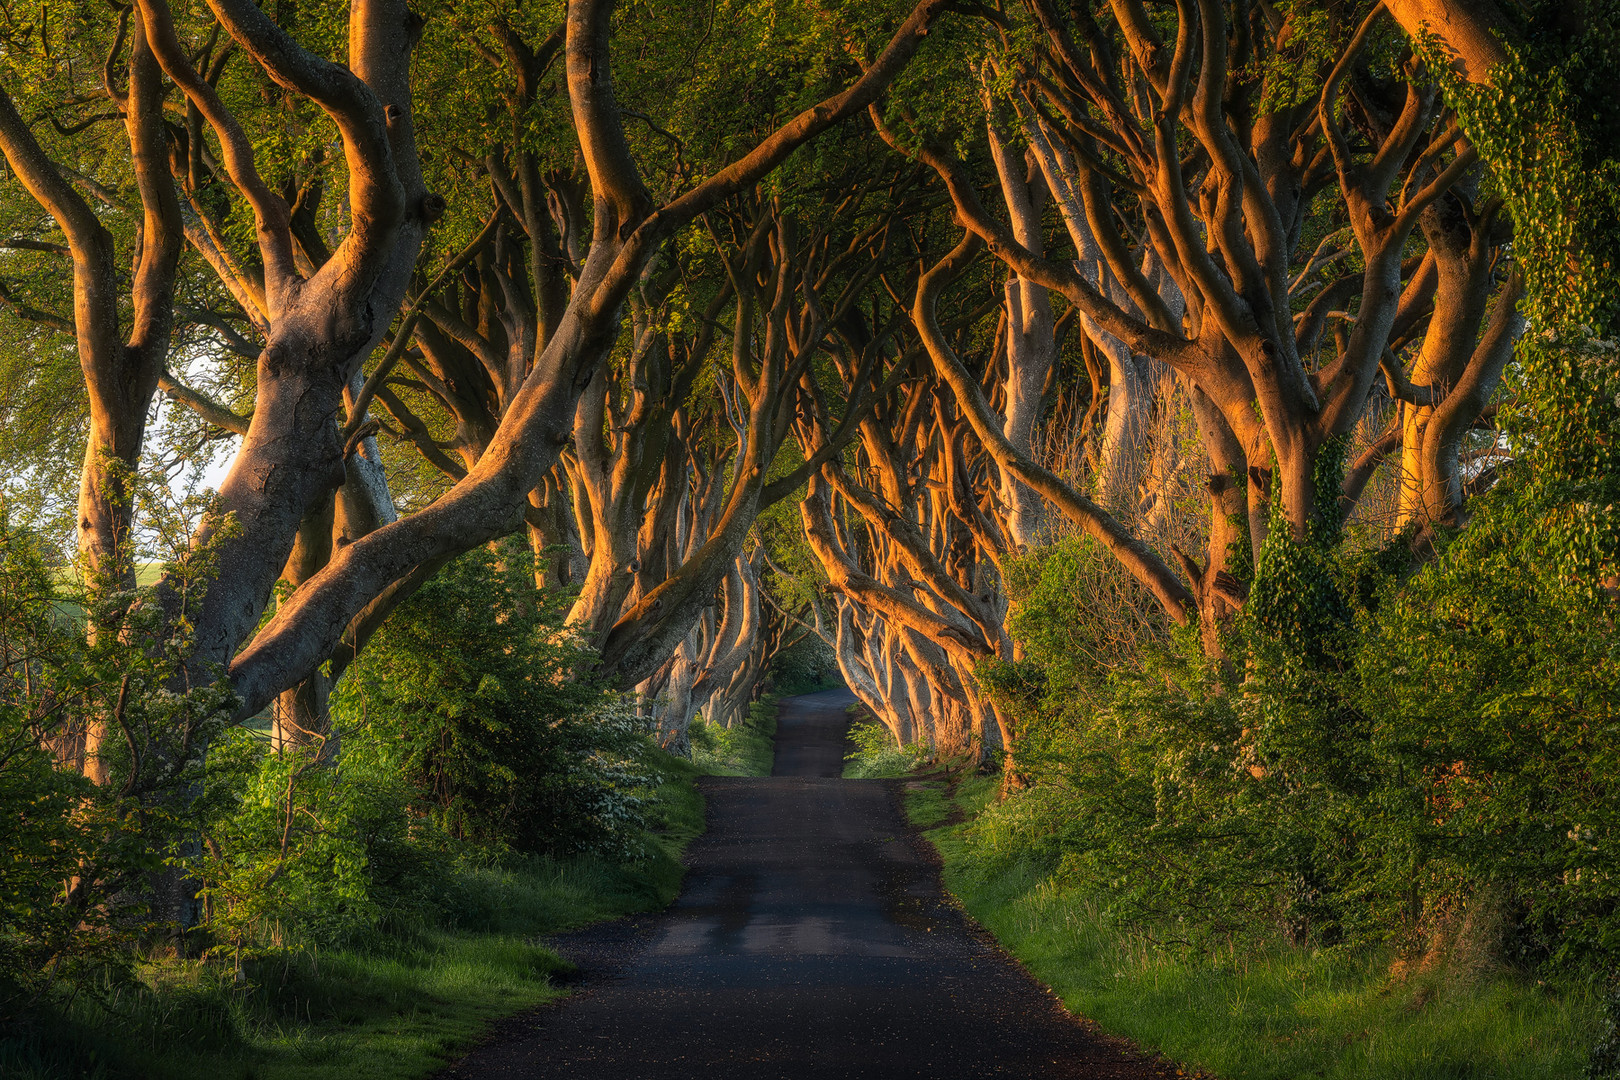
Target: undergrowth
(1276, 1012)
(746, 749)
(877, 756)
(394, 1005)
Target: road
(812, 940)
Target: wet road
(812, 940)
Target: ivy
(1547, 127)
(1296, 605)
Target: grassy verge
(394, 1008)
(1282, 1015)
(748, 749)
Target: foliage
(877, 755)
(1050, 585)
(1548, 126)
(746, 749)
(385, 1007)
(44, 843)
(474, 694)
(1493, 682)
(336, 889)
(804, 667)
(1272, 1013)
(463, 734)
(1433, 771)
(87, 862)
(1296, 608)
(1605, 1062)
(300, 848)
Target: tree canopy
(1147, 401)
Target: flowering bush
(465, 730)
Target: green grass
(748, 749)
(929, 803)
(397, 1008)
(1286, 1014)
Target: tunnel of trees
(1204, 415)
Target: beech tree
(1157, 208)
(1195, 216)
(627, 230)
(322, 313)
(1215, 169)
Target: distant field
(146, 573)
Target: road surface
(812, 940)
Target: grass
(396, 1008)
(747, 749)
(1287, 1014)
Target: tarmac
(812, 939)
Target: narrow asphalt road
(812, 940)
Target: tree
(1227, 146)
(627, 231)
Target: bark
(628, 230)
(120, 373)
(1031, 343)
(321, 325)
(1455, 371)
(1471, 32)
(300, 717)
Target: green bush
(748, 749)
(1428, 762)
(1074, 609)
(877, 755)
(478, 698)
(89, 868)
(302, 849)
(376, 895)
(1495, 684)
(1267, 1012)
(465, 732)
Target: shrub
(748, 749)
(1428, 761)
(481, 701)
(1073, 607)
(1495, 684)
(88, 864)
(298, 847)
(877, 755)
(467, 731)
